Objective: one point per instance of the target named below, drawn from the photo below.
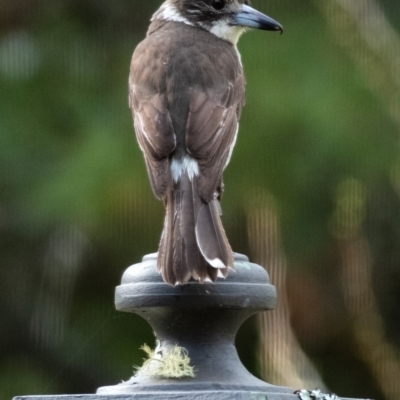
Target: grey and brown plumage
(187, 90)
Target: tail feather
(193, 243)
(212, 273)
(165, 251)
(180, 266)
(211, 238)
(191, 204)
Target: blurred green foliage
(76, 208)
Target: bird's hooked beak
(249, 17)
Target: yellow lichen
(173, 362)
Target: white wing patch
(188, 164)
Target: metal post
(201, 318)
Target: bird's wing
(155, 135)
(211, 133)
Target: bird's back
(174, 58)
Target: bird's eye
(218, 4)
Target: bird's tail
(193, 243)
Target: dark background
(312, 193)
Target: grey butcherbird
(187, 90)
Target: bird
(186, 93)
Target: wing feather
(211, 132)
(155, 135)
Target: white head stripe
(168, 12)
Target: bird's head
(227, 19)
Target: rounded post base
(201, 318)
